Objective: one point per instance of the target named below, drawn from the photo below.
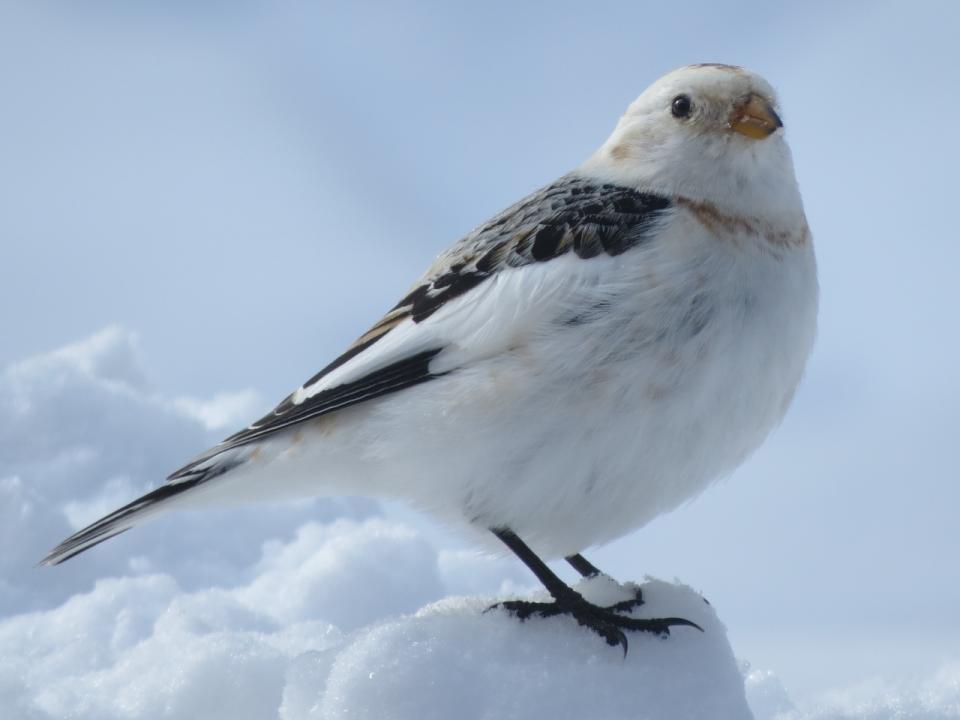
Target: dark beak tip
(776, 118)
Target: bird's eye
(682, 107)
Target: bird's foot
(604, 621)
(523, 609)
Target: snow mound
(143, 648)
(455, 660)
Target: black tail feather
(116, 522)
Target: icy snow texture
(309, 610)
(454, 660)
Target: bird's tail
(118, 521)
(208, 466)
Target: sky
(238, 189)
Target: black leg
(605, 622)
(583, 566)
(554, 585)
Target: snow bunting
(591, 357)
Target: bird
(590, 358)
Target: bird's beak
(755, 118)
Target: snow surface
(320, 609)
(144, 648)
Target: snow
(142, 647)
(918, 698)
(460, 661)
(323, 609)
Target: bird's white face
(711, 102)
(707, 132)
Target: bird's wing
(573, 215)
(457, 313)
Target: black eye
(682, 106)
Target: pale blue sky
(248, 185)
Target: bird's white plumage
(574, 399)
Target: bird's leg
(605, 622)
(588, 570)
(583, 566)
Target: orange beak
(755, 118)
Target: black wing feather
(397, 376)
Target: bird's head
(705, 132)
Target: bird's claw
(523, 609)
(607, 622)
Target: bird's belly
(613, 470)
